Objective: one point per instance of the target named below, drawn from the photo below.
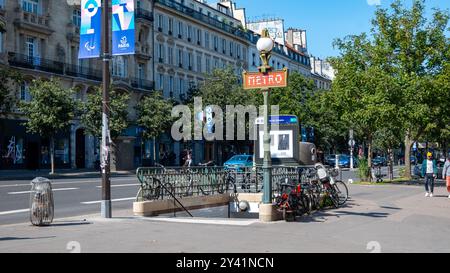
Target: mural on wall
(15, 151)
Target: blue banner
(122, 27)
(90, 30)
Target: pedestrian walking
(429, 172)
(446, 173)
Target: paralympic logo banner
(90, 30)
(123, 27)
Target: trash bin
(41, 202)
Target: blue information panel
(123, 27)
(90, 30)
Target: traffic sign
(257, 80)
(351, 143)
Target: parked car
(239, 162)
(344, 161)
(379, 161)
(330, 160)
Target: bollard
(41, 202)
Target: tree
(50, 111)
(293, 98)
(391, 76)
(91, 116)
(154, 115)
(8, 78)
(418, 52)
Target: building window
(171, 86)
(180, 58)
(160, 22)
(224, 46)
(231, 49)
(25, 92)
(199, 37)
(189, 33)
(141, 71)
(216, 43)
(160, 53)
(76, 17)
(180, 85)
(119, 66)
(2, 4)
(170, 55)
(31, 6)
(189, 61)
(254, 59)
(199, 63)
(170, 26)
(160, 82)
(208, 65)
(180, 29)
(207, 40)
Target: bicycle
(327, 186)
(293, 200)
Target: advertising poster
(123, 27)
(281, 144)
(90, 30)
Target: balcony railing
(31, 62)
(40, 64)
(203, 18)
(83, 72)
(142, 84)
(144, 14)
(34, 18)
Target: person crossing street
(429, 172)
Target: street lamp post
(265, 46)
(106, 211)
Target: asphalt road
(72, 197)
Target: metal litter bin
(41, 202)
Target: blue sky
(324, 20)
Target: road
(72, 197)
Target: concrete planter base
(154, 208)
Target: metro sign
(257, 80)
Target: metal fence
(168, 183)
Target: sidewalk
(6, 175)
(387, 215)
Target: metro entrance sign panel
(257, 80)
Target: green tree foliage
(50, 110)
(91, 116)
(8, 78)
(154, 114)
(397, 75)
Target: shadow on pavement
(24, 238)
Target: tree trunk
(408, 144)
(369, 157)
(52, 155)
(154, 150)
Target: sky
(324, 20)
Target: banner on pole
(90, 30)
(123, 27)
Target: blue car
(239, 162)
(344, 161)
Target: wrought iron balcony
(144, 14)
(203, 18)
(31, 62)
(83, 72)
(142, 84)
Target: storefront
(22, 150)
